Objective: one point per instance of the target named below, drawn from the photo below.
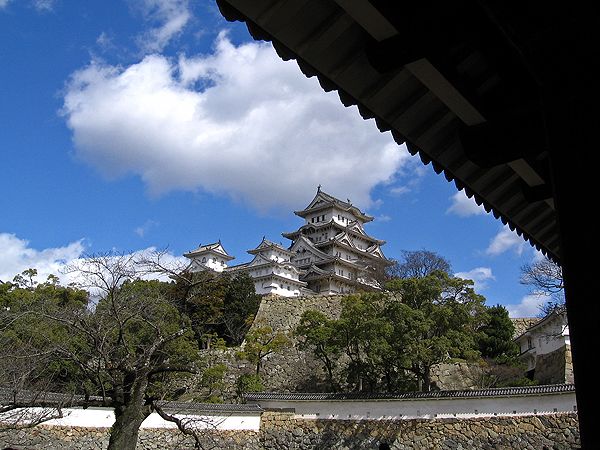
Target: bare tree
(545, 278)
(124, 347)
(418, 264)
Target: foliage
(239, 308)
(319, 334)
(248, 382)
(503, 372)
(261, 341)
(212, 377)
(391, 340)
(496, 335)
(25, 331)
(218, 305)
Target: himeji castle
(329, 254)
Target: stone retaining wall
(555, 367)
(281, 431)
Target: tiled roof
(327, 200)
(498, 392)
(211, 408)
(33, 398)
(216, 247)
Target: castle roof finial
(319, 188)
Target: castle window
(204, 259)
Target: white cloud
(400, 190)
(504, 241)
(18, 256)
(170, 18)
(239, 122)
(464, 206)
(39, 5)
(479, 275)
(143, 229)
(44, 5)
(528, 307)
(104, 41)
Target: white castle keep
(330, 254)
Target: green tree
(319, 334)
(496, 335)
(392, 340)
(261, 341)
(363, 332)
(218, 304)
(240, 305)
(248, 382)
(201, 297)
(446, 316)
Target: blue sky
(127, 125)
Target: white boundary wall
(105, 418)
(400, 409)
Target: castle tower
(210, 256)
(272, 270)
(333, 250)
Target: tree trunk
(426, 379)
(124, 432)
(130, 414)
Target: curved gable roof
(323, 200)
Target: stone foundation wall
(555, 367)
(290, 370)
(281, 431)
(284, 313)
(456, 376)
(74, 438)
